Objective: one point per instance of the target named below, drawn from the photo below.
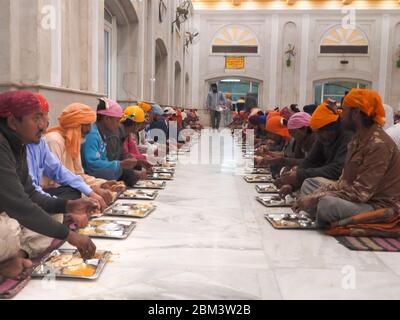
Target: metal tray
(45, 269)
(290, 221)
(267, 188)
(108, 228)
(258, 178)
(258, 171)
(148, 184)
(139, 194)
(164, 170)
(130, 210)
(248, 156)
(161, 176)
(273, 201)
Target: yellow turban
(134, 113)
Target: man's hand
(289, 177)
(83, 206)
(85, 246)
(141, 174)
(15, 268)
(100, 199)
(285, 190)
(113, 186)
(146, 165)
(105, 194)
(80, 220)
(304, 203)
(128, 163)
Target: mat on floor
(370, 243)
(381, 223)
(10, 288)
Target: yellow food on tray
(83, 270)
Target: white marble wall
(305, 28)
(66, 62)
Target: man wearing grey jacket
(216, 103)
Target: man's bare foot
(22, 254)
(15, 268)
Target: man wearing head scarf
(65, 142)
(21, 123)
(299, 146)
(42, 162)
(325, 160)
(147, 145)
(95, 156)
(370, 178)
(133, 122)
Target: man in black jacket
(324, 163)
(22, 123)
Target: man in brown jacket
(370, 178)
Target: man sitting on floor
(94, 150)
(370, 178)
(23, 209)
(65, 142)
(325, 161)
(42, 162)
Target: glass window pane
(318, 94)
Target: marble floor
(208, 239)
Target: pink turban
(113, 109)
(299, 120)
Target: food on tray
(137, 209)
(256, 178)
(64, 261)
(138, 193)
(118, 187)
(83, 270)
(276, 200)
(150, 184)
(268, 188)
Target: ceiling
(294, 4)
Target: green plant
(398, 63)
(291, 53)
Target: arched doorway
(238, 87)
(178, 85)
(161, 73)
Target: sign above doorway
(234, 63)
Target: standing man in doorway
(216, 103)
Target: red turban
(44, 105)
(18, 103)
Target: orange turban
(271, 114)
(145, 106)
(71, 120)
(323, 116)
(368, 101)
(228, 95)
(275, 125)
